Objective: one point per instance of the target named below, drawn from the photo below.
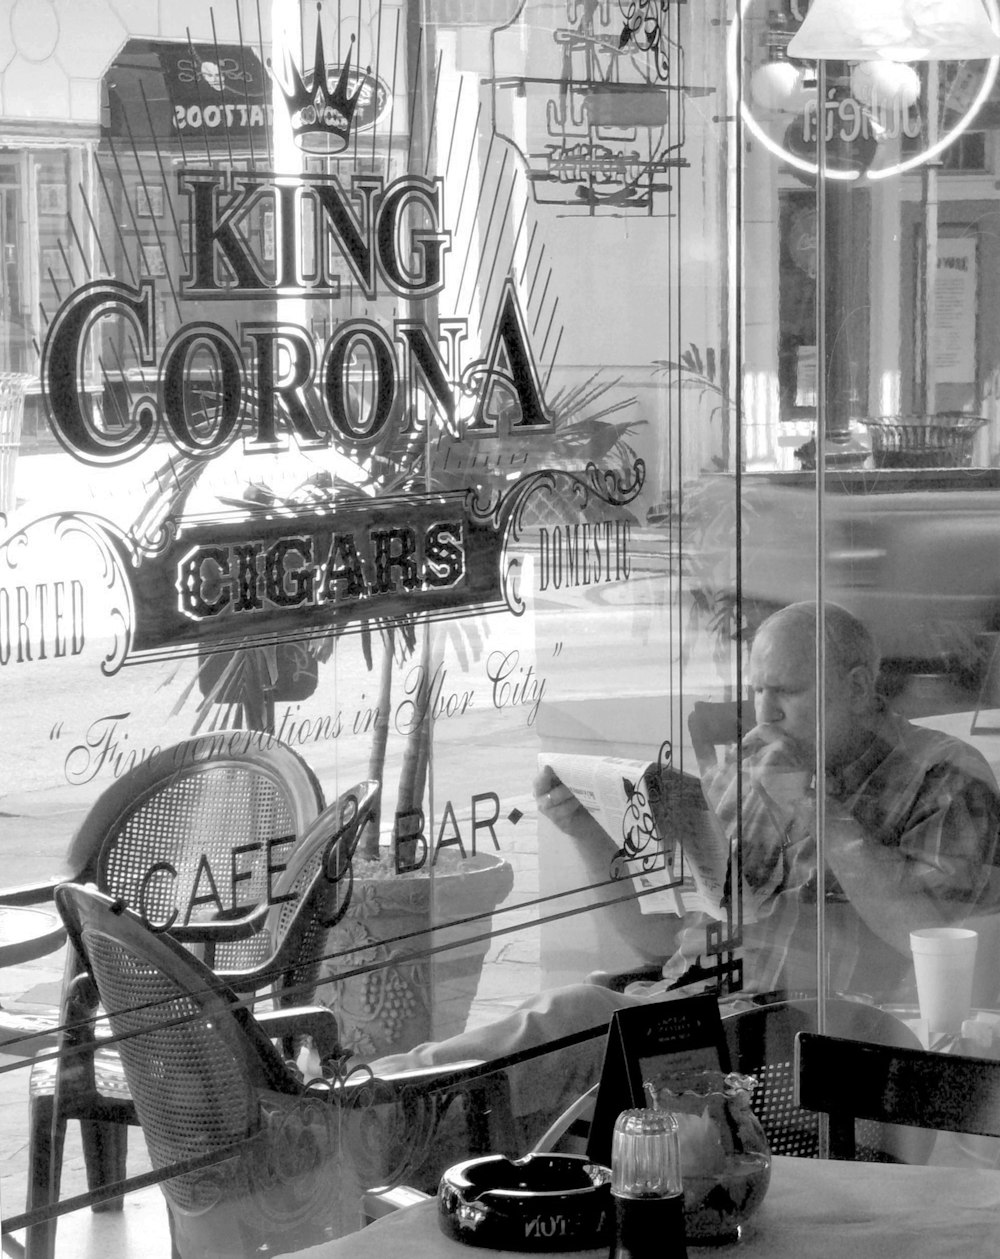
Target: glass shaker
(646, 1187)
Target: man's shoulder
(930, 747)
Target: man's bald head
(783, 678)
(847, 641)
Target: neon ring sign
(737, 84)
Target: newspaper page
(673, 847)
(701, 845)
(616, 792)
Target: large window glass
(410, 413)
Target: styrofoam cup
(944, 959)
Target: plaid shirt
(926, 796)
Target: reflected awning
(166, 93)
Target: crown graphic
(321, 117)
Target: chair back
(260, 1162)
(313, 892)
(201, 830)
(257, 1160)
(713, 724)
(194, 1060)
(851, 1080)
(761, 1041)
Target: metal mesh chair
(761, 1041)
(210, 1091)
(162, 836)
(254, 1160)
(852, 1080)
(227, 847)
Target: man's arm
(919, 855)
(763, 795)
(596, 849)
(942, 869)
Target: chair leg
(104, 1149)
(175, 1250)
(45, 1154)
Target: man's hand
(556, 802)
(781, 770)
(770, 739)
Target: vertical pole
(926, 385)
(820, 559)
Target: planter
(407, 998)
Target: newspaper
(702, 848)
(673, 848)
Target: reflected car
(914, 554)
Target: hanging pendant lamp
(895, 30)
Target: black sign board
(171, 93)
(646, 1042)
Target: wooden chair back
(713, 724)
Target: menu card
(650, 1041)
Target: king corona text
(276, 378)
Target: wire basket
(944, 440)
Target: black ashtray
(541, 1202)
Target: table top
(814, 1209)
(27, 933)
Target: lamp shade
(897, 30)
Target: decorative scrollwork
(645, 28)
(155, 539)
(284, 1186)
(386, 1127)
(639, 835)
(121, 613)
(301, 1140)
(109, 547)
(507, 511)
(599, 117)
(208, 1187)
(642, 841)
(615, 487)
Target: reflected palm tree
(418, 454)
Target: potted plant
(387, 972)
